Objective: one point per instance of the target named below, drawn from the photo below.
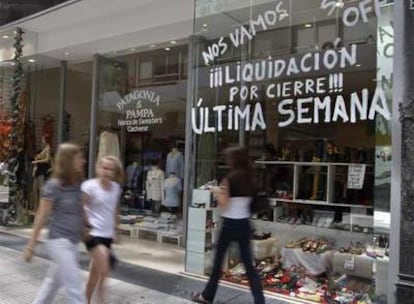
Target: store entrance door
(110, 81)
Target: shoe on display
(329, 221)
(309, 296)
(316, 219)
(321, 221)
(282, 219)
(238, 270)
(306, 220)
(292, 221)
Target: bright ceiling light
(205, 25)
(339, 4)
(31, 60)
(153, 46)
(67, 53)
(5, 36)
(173, 42)
(167, 49)
(308, 25)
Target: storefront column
(190, 144)
(94, 113)
(62, 92)
(402, 235)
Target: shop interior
(141, 120)
(320, 241)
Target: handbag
(260, 203)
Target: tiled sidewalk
(19, 281)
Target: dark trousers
(234, 231)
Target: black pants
(234, 231)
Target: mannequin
(134, 182)
(172, 191)
(41, 169)
(154, 186)
(175, 163)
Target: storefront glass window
(306, 87)
(141, 120)
(36, 128)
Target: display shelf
(318, 203)
(274, 201)
(311, 164)
(200, 237)
(309, 228)
(285, 233)
(322, 176)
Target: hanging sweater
(172, 188)
(175, 164)
(108, 145)
(155, 185)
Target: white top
(101, 207)
(155, 184)
(108, 145)
(238, 208)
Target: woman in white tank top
(101, 200)
(234, 197)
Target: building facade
(307, 87)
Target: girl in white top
(101, 200)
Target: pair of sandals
(296, 244)
(356, 249)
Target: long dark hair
(241, 175)
(237, 158)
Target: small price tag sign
(349, 263)
(356, 176)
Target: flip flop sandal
(198, 298)
(314, 246)
(272, 282)
(286, 278)
(279, 274)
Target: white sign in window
(356, 176)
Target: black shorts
(94, 241)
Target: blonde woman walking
(61, 204)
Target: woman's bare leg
(100, 260)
